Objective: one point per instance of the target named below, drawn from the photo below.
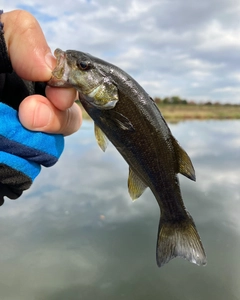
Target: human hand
(32, 60)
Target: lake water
(77, 235)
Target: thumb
(29, 52)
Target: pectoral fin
(105, 96)
(101, 138)
(185, 166)
(114, 119)
(122, 122)
(135, 185)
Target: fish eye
(84, 65)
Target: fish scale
(124, 113)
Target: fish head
(79, 70)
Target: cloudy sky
(188, 48)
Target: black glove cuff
(5, 63)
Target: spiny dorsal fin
(135, 185)
(185, 166)
(101, 138)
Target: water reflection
(77, 235)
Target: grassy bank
(176, 113)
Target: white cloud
(185, 47)
(216, 36)
(78, 218)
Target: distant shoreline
(180, 112)
(175, 113)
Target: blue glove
(22, 152)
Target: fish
(125, 114)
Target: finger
(62, 98)
(37, 113)
(27, 47)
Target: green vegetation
(175, 109)
(175, 113)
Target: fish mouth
(60, 75)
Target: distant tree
(208, 103)
(191, 102)
(184, 102)
(158, 100)
(166, 100)
(175, 100)
(171, 100)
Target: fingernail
(42, 116)
(50, 60)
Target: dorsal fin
(100, 137)
(185, 166)
(135, 185)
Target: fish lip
(60, 67)
(60, 74)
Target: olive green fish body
(124, 113)
(137, 140)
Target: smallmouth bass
(126, 115)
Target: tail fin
(179, 239)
